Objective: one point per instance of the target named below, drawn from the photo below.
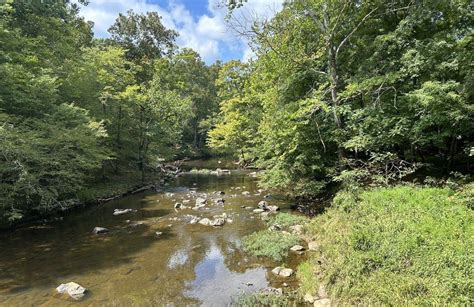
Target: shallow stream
(132, 265)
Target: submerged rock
(100, 230)
(158, 233)
(283, 272)
(74, 290)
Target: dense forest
(339, 92)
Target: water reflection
(215, 284)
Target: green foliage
(73, 109)
(353, 93)
(285, 220)
(262, 300)
(402, 245)
(270, 244)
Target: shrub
(270, 244)
(397, 246)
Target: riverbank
(399, 245)
(112, 187)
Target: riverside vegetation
(370, 100)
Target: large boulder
(74, 290)
(100, 230)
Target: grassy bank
(401, 245)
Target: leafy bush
(269, 244)
(398, 246)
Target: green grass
(397, 246)
(270, 244)
(262, 300)
(286, 220)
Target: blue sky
(200, 23)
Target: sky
(200, 23)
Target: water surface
(187, 264)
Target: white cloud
(208, 34)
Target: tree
(189, 76)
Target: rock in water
(72, 289)
(258, 210)
(263, 205)
(282, 272)
(219, 201)
(122, 211)
(178, 205)
(201, 202)
(273, 208)
(246, 193)
(219, 221)
(205, 221)
(100, 230)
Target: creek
(132, 265)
